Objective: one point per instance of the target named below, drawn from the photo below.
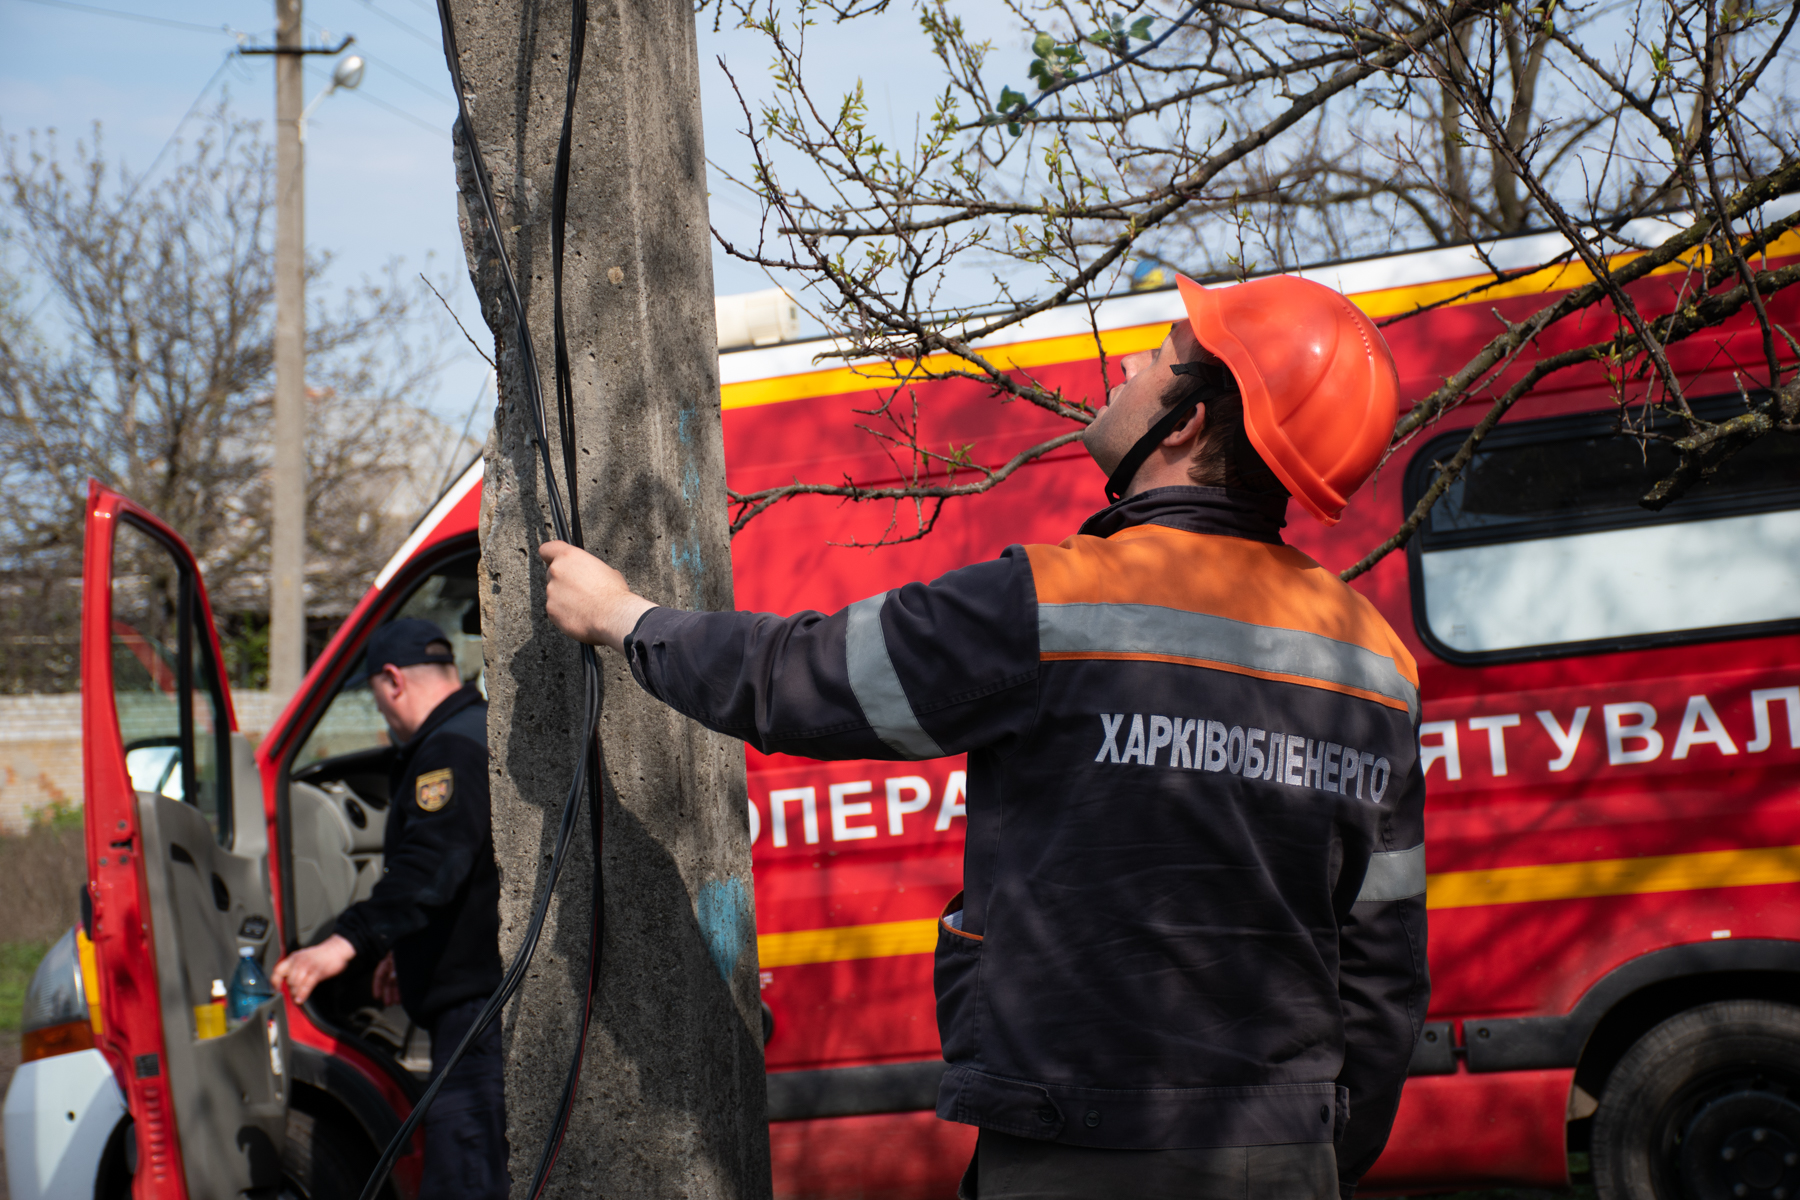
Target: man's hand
(587, 599)
(386, 985)
(304, 970)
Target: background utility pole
(287, 536)
(672, 1101)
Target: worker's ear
(1186, 435)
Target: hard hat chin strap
(1213, 379)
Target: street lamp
(347, 75)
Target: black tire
(323, 1160)
(118, 1162)
(1706, 1106)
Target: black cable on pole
(565, 410)
(588, 767)
(559, 204)
(565, 1106)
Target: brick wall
(40, 750)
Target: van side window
(1541, 547)
(445, 596)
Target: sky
(379, 177)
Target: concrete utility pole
(672, 1101)
(287, 534)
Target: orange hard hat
(1320, 392)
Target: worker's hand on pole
(587, 599)
(304, 970)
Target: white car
(68, 1136)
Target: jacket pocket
(956, 975)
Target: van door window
(446, 597)
(1542, 546)
(171, 717)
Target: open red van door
(178, 876)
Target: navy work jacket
(1193, 910)
(437, 904)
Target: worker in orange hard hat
(1188, 957)
(1314, 382)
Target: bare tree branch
(152, 372)
(1238, 137)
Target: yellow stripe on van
(1451, 889)
(1614, 877)
(846, 942)
(836, 381)
(1045, 352)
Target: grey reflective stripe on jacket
(877, 686)
(1394, 875)
(1202, 637)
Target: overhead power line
(144, 18)
(388, 68)
(399, 24)
(176, 132)
(421, 122)
(364, 94)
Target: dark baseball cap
(404, 643)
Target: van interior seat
(325, 875)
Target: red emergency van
(1611, 739)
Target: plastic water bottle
(249, 987)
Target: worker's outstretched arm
(918, 672)
(1383, 982)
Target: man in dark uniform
(1196, 974)
(433, 921)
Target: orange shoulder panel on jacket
(1230, 577)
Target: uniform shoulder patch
(433, 789)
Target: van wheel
(118, 1162)
(1706, 1106)
(324, 1161)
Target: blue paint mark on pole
(724, 912)
(688, 559)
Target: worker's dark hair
(1227, 458)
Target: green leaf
(1140, 29)
(1042, 45)
(1009, 100)
(1015, 128)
